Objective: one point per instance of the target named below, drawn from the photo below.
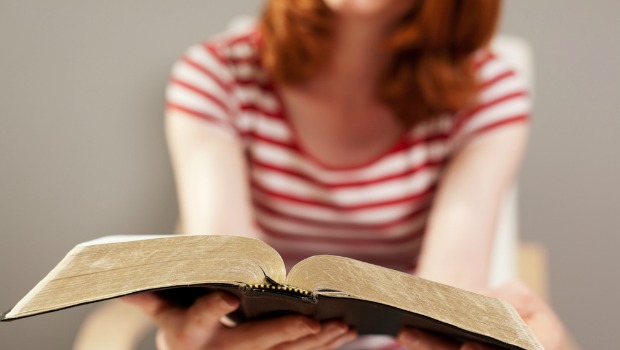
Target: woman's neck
(356, 62)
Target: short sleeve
(503, 100)
(201, 86)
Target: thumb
(202, 319)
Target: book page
(348, 278)
(121, 238)
(115, 267)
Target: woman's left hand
(541, 319)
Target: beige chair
(504, 259)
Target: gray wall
(570, 198)
(82, 151)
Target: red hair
(430, 70)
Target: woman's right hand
(199, 328)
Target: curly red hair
(431, 68)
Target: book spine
(281, 289)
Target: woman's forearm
(462, 224)
(211, 178)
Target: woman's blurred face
(370, 9)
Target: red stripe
(400, 145)
(483, 61)
(374, 181)
(245, 39)
(288, 145)
(488, 83)
(265, 86)
(428, 138)
(478, 109)
(252, 81)
(342, 240)
(515, 119)
(252, 107)
(248, 37)
(253, 60)
(210, 49)
(403, 146)
(202, 93)
(286, 197)
(295, 173)
(197, 114)
(341, 225)
(223, 85)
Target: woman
(382, 130)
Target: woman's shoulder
(493, 67)
(503, 98)
(231, 56)
(236, 45)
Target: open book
(370, 298)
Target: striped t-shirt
(375, 211)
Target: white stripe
(371, 216)
(254, 95)
(245, 121)
(502, 88)
(181, 96)
(302, 229)
(248, 71)
(271, 128)
(390, 165)
(244, 71)
(204, 58)
(239, 50)
(190, 75)
(491, 69)
(379, 192)
(439, 126)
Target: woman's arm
(211, 177)
(213, 192)
(462, 223)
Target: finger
(203, 318)
(523, 299)
(342, 340)
(331, 336)
(418, 340)
(150, 303)
(270, 333)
